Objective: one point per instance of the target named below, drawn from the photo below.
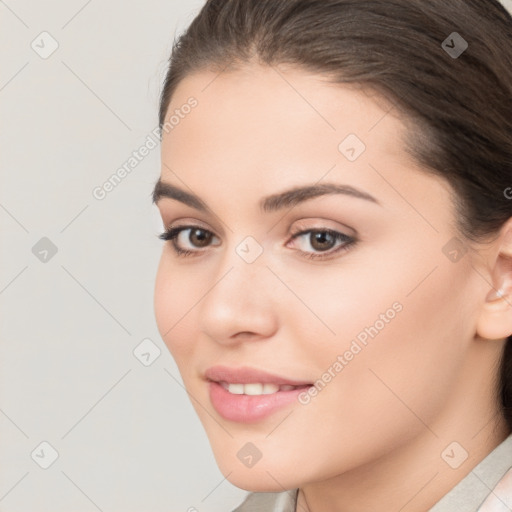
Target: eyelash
(171, 235)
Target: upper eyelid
(192, 225)
(198, 223)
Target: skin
(425, 381)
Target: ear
(495, 319)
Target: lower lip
(250, 408)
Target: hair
(457, 110)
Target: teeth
(236, 389)
(255, 388)
(268, 389)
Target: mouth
(247, 395)
(249, 376)
(258, 388)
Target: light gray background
(127, 436)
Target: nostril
(244, 334)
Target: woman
(336, 282)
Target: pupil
(321, 237)
(202, 238)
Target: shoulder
(500, 495)
(269, 502)
(486, 488)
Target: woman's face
(379, 310)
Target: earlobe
(495, 320)
(495, 294)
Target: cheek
(390, 386)
(173, 300)
(400, 330)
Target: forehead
(278, 108)
(265, 128)
(256, 103)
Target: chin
(259, 478)
(254, 484)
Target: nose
(240, 304)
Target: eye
(319, 239)
(198, 237)
(323, 240)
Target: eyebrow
(268, 204)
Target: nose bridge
(240, 276)
(240, 296)
(242, 265)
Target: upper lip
(247, 375)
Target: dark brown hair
(457, 108)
